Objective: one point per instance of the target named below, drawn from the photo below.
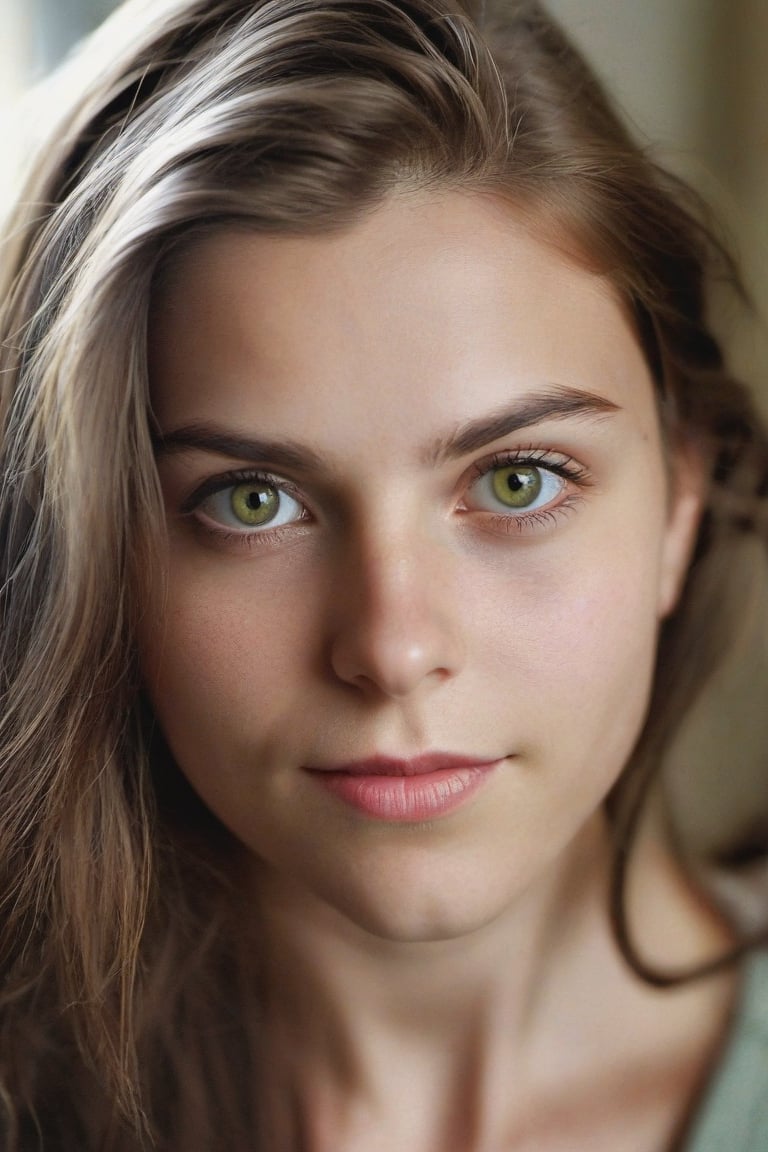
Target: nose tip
(394, 668)
(396, 629)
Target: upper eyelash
(228, 480)
(564, 466)
(561, 464)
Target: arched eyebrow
(206, 437)
(554, 403)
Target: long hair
(121, 992)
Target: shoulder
(733, 1113)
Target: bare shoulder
(637, 1060)
(641, 1096)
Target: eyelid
(282, 527)
(223, 480)
(546, 458)
(573, 475)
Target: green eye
(517, 486)
(251, 506)
(254, 503)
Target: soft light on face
(416, 502)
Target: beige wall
(692, 78)
(651, 54)
(735, 144)
(15, 67)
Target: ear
(688, 483)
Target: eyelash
(557, 464)
(243, 539)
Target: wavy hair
(122, 995)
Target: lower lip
(408, 799)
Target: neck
(453, 1030)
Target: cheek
(223, 664)
(604, 659)
(575, 648)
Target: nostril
(394, 657)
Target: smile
(403, 791)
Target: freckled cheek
(572, 629)
(231, 646)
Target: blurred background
(691, 78)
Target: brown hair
(119, 951)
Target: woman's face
(417, 508)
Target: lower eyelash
(527, 520)
(246, 540)
(566, 467)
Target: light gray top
(733, 1116)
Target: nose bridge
(395, 626)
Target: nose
(397, 623)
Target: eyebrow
(204, 437)
(554, 403)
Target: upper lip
(406, 766)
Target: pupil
(254, 500)
(515, 482)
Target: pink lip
(403, 790)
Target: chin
(425, 905)
(417, 925)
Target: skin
(428, 967)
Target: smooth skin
(349, 576)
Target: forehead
(428, 304)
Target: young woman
(371, 487)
